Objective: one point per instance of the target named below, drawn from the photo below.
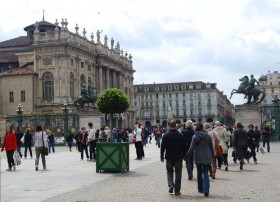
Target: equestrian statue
(87, 96)
(248, 88)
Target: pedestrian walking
(19, 135)
(91, 142)
(10, 145)
(40, 141)
(258, 137)
(173, 149)
(69, 139)
(83, 140)
(224, 141)
(51, 141)
(188, 133)
(158, 134)
(138, 143)
(28, 140)
(240, 143)
(266, 137)
(202, 146)
(252, 143)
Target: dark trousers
(19, 150)
(78, 145)
(189, 165)
(92, 148)
(266, 140)
(225, 159)
(170, 166)
(25, 150)
(203, 183)
(10, 158)
(139, 149)
(83, 147)
(51, 145)
(253, 152)
(220, 161)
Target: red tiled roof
(17, 71)
(19, 41)
(6, 57)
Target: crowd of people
(207, 146)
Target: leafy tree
(110, 101)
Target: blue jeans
(203, 183)
(18, 150)
(176, 164)
(266, 140)
(51, 145)
(158, 141)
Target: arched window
(71, 85)
(48, 88)
(89, 80)
(83, 80)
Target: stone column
(108, 78)
(114, 79)
(100, 79)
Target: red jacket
(10, 142)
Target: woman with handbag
(240, 143)
(41, 146)
(10, 145)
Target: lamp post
(19, 115)
(276, 106)
(65, 110)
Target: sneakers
(14, 167)
(171, 188)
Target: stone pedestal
(94, 117)
(248, 114)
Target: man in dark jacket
(28, 139)
(188, 135)
(174, 147)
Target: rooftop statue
(87, 96)
(248, 88)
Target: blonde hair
(189, 124)
(206, 125)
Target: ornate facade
(201, 102)
(270, 84)
(48, 67)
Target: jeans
(220, 161)
(253, 152)
(18, 150)
(115, 140)
(203, 178)
(158, 141)
(10, 158)
(92, 149)
(225, 159)
(51, 145)
(39, 151)
(189, 166)
(170, 165)
(25, 150)
(266, 140)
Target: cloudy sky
(171, 41)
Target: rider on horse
(251, 84)
(84, 93)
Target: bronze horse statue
(255, 92)
(90, 98)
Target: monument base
(94, 117)
(248, 114)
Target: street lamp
(65, 110)
(19, 115)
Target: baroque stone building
(198, 101)
(49, 65)
(270, 84)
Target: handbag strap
(43, 139)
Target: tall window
(48, 88)
(11, 96)
(22, 96)
(71, 85)
(89, 80)
(47, 61)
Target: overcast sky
(216, 41)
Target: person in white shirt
(138, 144)
(92, 142)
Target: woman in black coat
(240, 143)
(28, 139)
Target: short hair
(239, 125)
(90, 124)
(250, 125)
(256, 127)
(199, 127)
(172, 124)
(218, 123)
(189, 124)
(206, 125)
(39, 128)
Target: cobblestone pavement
(259, 182)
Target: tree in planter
(110, 101)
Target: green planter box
(112, 157)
